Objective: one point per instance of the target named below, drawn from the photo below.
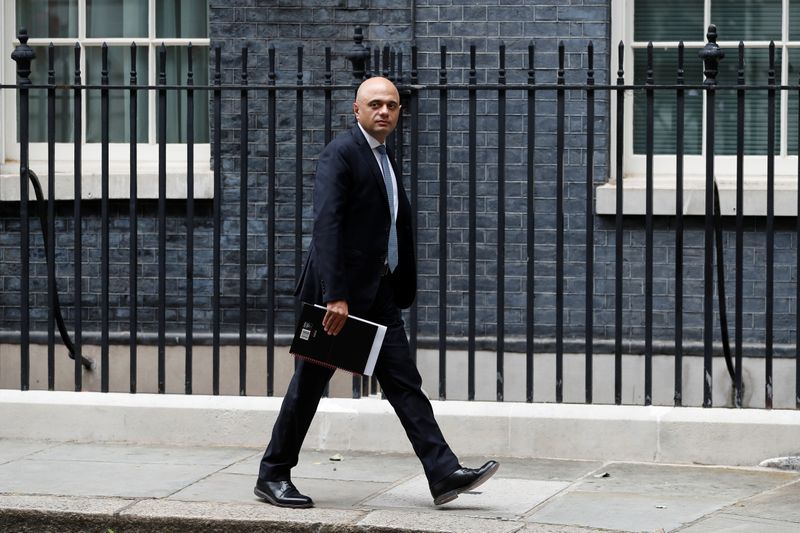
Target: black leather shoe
(461, 480)
(282, 494)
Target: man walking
(361, 261)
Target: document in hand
(355, 349)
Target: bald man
(361, 261)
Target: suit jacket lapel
(372, 163)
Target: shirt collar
(373, 142)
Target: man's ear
(355, 109)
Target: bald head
(376, 84)
(377, 107)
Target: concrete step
(569, 431)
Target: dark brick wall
(455, 24)
(459, 25)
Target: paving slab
(741, 524)
(247, 465)
(385, 468)
(624, 511)
(783, 503)
(219, 487)
(238, 488)
(123, 453)
(658, 479)
(94, 478)
(497, 498)
(337, 494)
(351, 466)
(636, 496)
(440, 522)
(559, 528)
(12, 449)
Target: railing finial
(358, 54)
(23, 55)
(711, 54)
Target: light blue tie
(387, 180)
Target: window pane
(116, 18)
(794, 20)
(177, 101)
(119, 68)
(185, 19)
(743, 20)
(794, 74)
(675, 20)
(665, 68)
(755, 112)
(37, 108)
(48, 18)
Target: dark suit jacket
(351, 229)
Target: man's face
(377, 107)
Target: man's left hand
(335, 317)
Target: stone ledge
(567, 431)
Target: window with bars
(118, 23)
(754, 22)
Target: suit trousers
(400, 382)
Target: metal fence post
(189, 355)
(473, 225)
(133, 256)
(358, 55)
(679, 150)
(711, 54)
(272, 143)
(217, 216)
(648, 276)
(244, 140)
(619, 225)
(770, 229)
(52, 295)
(23, 55)
(77, 165)
(162, 218)
(501, 220)
(104, 222)
(413, 163)
(560, 146)
(443, 188)
(589, 331)
(531, 228)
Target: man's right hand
(335, 317)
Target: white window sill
(755, 196)
(119, 180)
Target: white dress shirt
(374, 143)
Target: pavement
(117, 487)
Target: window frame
(119, 153)
(755, 166)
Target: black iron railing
(407, 142)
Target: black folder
(355, 349)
